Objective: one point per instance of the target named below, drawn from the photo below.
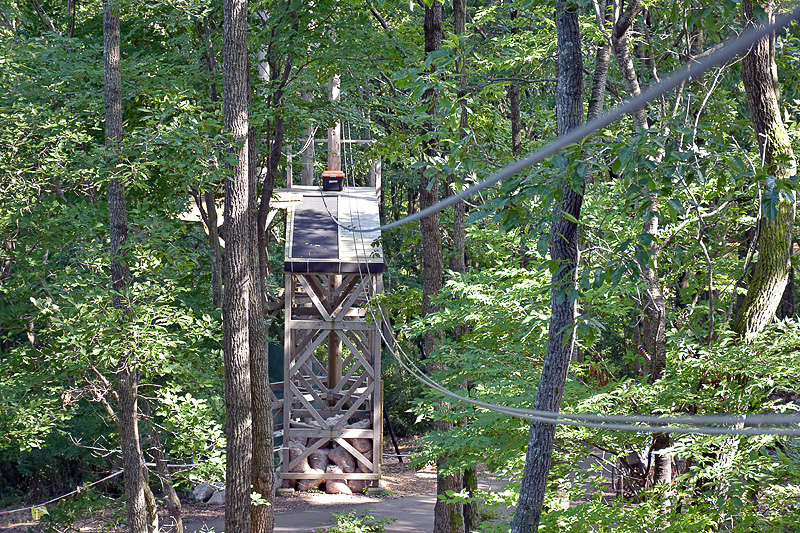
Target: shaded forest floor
(399, 479)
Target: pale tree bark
(309, 154)
(767, 284)
(447, 517)
(602, 61)
(136, 501)
(335, 133)
(623, 19)
(563, 248)
(238, 272)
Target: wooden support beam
(334, 345)
(334, 133)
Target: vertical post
(334, 135)
(334, 344)
(307, 176)
(374, 176)
(289, 174)
(288, 348)
(377, 405)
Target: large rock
(362, 445)
(319, 459)
(361, 424)
(203, 492)
(296, 450)
(218, 498)
(357, 485)
(336, 486)
(343, 459)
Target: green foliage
(60, 339)
(351, 522)
(63, 516)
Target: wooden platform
(316, 243)
(332, 396)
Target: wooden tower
(332, 402)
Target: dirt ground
(399, 480)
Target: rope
(732, 48)
(79, 489)
(305, 146)
(48, 502)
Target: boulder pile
(331, 458)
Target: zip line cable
(653, 424)
(630, 423)
(735, 46)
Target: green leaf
(569, 217)
(770, 199)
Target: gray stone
(203, 492)
(217, 499)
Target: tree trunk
(516, 120)
(602, 60)
(334, 133)
(563, 248)
(447, 517)
(458, 262)
(759, 75)
(619, 41)
(128, 416)
(167, 485)
(655, 315)
(238, 272)
(71, 18)
(309, 154)
(263, 475)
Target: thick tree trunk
(563, 248)
(238, 272)
(263, 476)
(447, 517)
(128, 415)
(775, 236)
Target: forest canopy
(648, 270)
